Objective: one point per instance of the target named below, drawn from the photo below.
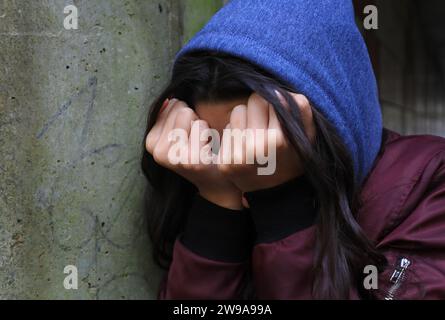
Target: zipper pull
(402, 265)
(397, 277)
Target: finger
(224, 155)
(163, 115)
(201, 127)
(238, 123)
(196, 141)
(163, 112)
(257, 112)
(155, 132)
(238, 117)
(164, 105)
(181, 108)
(166, 138)
(303, 106)
(184, 119)
(274, 123)
(175, 134)
(199, 143)
(307, 116)
(275, 136)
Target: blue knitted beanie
(316, 47)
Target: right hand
(210, 182)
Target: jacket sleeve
(283, 254)
(211, 256)
(415, 246)
(282, 258)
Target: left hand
(260, 114)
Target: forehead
(220, 105)
(217, 114)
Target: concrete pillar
(73, 105)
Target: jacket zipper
(397, 277)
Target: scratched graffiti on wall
(94, 231)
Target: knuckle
(179, 106)
(159, 156)
(281, 142)
(238, 113)
(156, 156)
(255, 98)
(149, 143)
(302, 101)
(201, 123)
(186, 112)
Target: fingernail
(164, 105)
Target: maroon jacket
(403, 212)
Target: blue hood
(316, 47)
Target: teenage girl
(348, 199)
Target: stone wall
(73, 105)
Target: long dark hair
(342, 249)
